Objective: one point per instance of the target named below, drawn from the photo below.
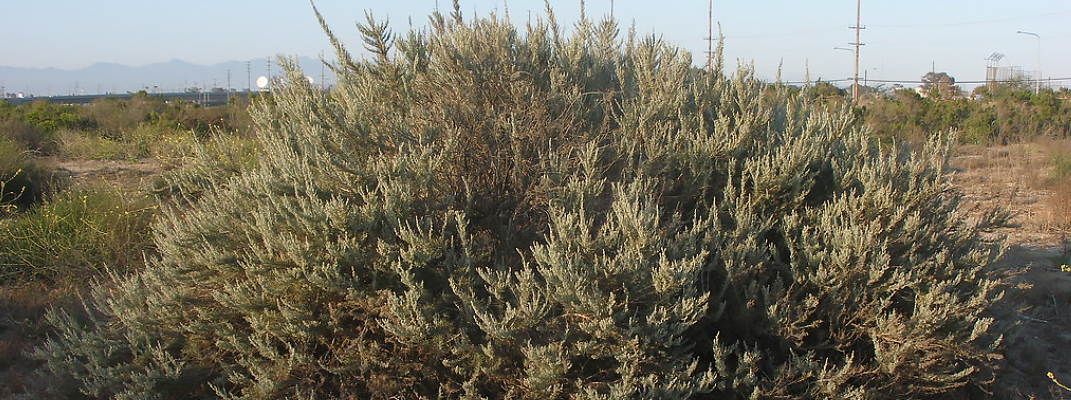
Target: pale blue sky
(903, 38)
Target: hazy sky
(903, 39)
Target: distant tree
(824, 91)
(940, 85)
(1000, 113)
(1017, 85)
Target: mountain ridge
(174, 75)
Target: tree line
(992, 114)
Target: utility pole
(857, 27)
(710, 37)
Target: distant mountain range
(170, 76)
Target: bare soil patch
(136, 174)
(1036, 245)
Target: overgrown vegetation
(1058, 179)
(1001, 114)
(47, 233)
(58, 234)
(75, 233)
(112, 129)
(482, 211)
(25, 181)
(50, 234)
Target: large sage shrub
(485, 211)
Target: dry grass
(1027, 179)
(1006, 177)
(1059, 207)
(1057, 178)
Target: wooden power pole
(857, 43)
(710, 37)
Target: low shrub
(145, 140)
(1061, 167)
(1058, 179)
(197, 166)
(86, 145)
(25, 181)
(1059, 205)
(173, 147)
(75, 232)
(25, 134)
(23, 307)
(478, 211)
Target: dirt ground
(1036, 245)
(131, 175)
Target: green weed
(83, 145)
(1061, 167)
(75, 232)
(141, 141)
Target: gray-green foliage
(480, 211)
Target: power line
(779, 34)
(908, 81)
(982, 22)
(937, 25)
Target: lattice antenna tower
(992, 69)
(994, 58)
